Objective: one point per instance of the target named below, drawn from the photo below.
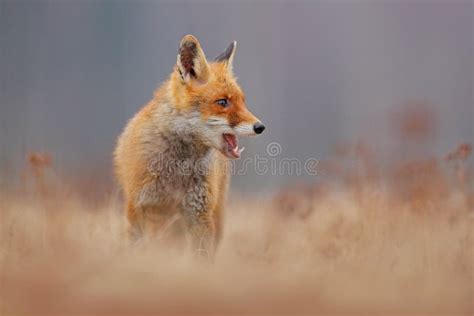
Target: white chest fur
(180, 171)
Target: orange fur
(182, 122)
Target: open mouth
(231, 148)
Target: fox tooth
(241, 150)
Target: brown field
(392, 241)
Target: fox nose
(258, 128)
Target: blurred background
(380, 93)
(318, 73)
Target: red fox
(171, 157)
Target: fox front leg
(199, 222)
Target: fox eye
(223, 102)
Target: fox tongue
(232, 147)
(231, 141)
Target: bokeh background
(318, 73)
(379, 92)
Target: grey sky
(316, 72)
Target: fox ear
(191, 61)
(228, 55)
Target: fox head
(209, 102)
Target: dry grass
(378, 242)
